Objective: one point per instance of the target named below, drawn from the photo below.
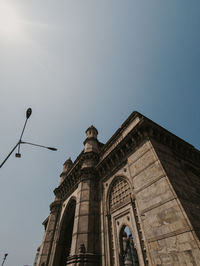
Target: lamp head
(28, 113)
(52, 149)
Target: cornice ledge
(178, 145)
(68, 185)
(90, 155)
(123, 149)
(145, 129)
(119, 132)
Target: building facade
(132, 201)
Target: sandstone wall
(168, 233)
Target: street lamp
(28, 114)
(18, 154)
(5, 255)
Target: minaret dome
(91, 143)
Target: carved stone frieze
(107, 162)
(77, 174)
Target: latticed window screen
(120, 192)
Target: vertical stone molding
(46, 247)
(85, 242)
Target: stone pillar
(85, 242)
(46, 248)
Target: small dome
(68, 162)
(67, 165)
(91, 142)
(91, 132)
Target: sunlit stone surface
(132, 201)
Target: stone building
(132, 201)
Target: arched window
(120, 193)
(65, 236)
(128, 253)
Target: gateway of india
(133, 201)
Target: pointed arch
(119, 192)
(65, 234)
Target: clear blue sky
(83, 62)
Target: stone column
(45, 252)
(85, 240)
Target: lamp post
(28, 114)
(5, 255)
(18, 154)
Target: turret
(91, 142)
(66, 167)
(91, 147)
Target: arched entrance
(128, 252)
(65, 236)
(119, 195)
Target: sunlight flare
(11, 24)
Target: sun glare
(10, 22)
